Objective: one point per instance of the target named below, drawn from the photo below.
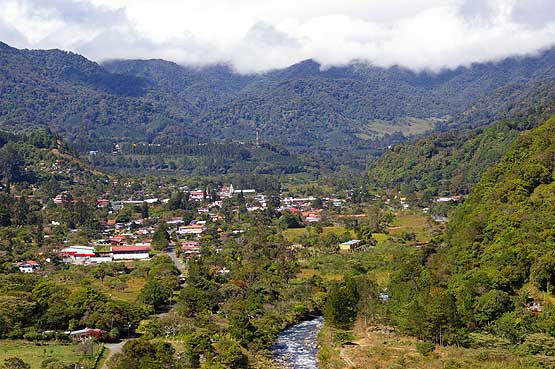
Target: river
(297, 346)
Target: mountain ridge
(358, 109)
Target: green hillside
(505, 228)
(452, 162)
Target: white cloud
(258, 35)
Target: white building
(130, 252)
(191, 229)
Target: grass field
(119, 286)
(293, 234)
(380, 237)
(126, 291)
(34, 354)
(408, 126)
(421, 225)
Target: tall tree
(11, 164)
(145, 211)
(161, 237)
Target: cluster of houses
(122, 243)
(131, 240)
(304, 207)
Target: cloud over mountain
(256, 36)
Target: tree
(340, 309)
(317, 203)
(154, 293)
(543, 272)
(194, 300)
(369, 301)
(273, 201)
(364, 233)
(491, 306)
(290, 220)
(142, 354)
(21, 211)
(241, 328)
(11, 165)
(145, 211)
(5, 215)
(241, 198)
(231, 355)
(161, 237)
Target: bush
(486, 340)
(342, 337)
(514, 325)
(538, 344)
(425, 348)
(483, 355)
(35, 336)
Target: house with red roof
(130, 252)
(118, 239)
(190, 248)
(28, 266)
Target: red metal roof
(124, 249)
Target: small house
(191, 229)
(28, 266)
(102, 203)
(77, 254)
(118, 239)
(196, 195)
(190, 248)
(349, 245)
(85, 334)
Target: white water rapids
(297, 347)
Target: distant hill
(348, 112)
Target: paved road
(114, 349)
(177, 261)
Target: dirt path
(343, 356)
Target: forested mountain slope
(506, 226)
(347, 112)
(40, 158)
(75, 97)
(304, 105)
(496, 258)
(453, 161)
